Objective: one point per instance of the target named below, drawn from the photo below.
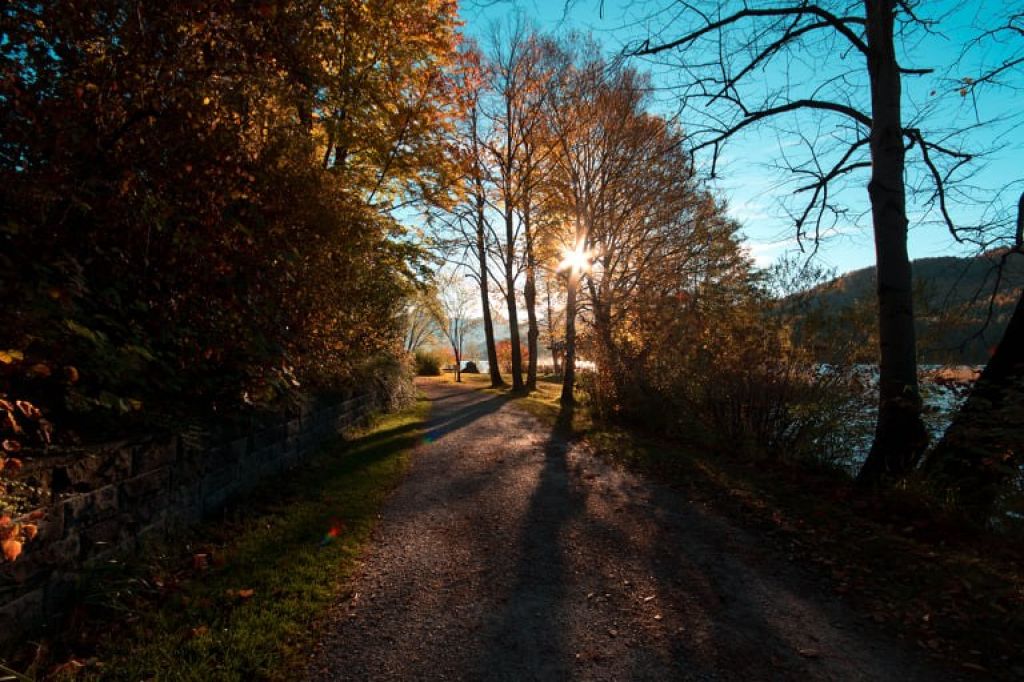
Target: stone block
(87, 507)
(154, 455)
(150, 507)
(89, 471)
(218, 479)
(20, 615)
(240, 447)
(190, 467)
(269, 436)
(101, 538)
(148, 485)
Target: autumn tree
(467, 220)
(517, 80)
(725, 96)
(196, 202)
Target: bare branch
(840, 24)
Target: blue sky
(757, 193)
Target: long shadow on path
(525, 639)
(463, 417)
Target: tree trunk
(551, 327)
(569, 367)
(900, 435)
(485, 304)
(457, 351)
(510, 297)
(481, 254)
(984, 446)
(530, 297)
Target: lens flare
(577, 260)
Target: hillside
(953, 297)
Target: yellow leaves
(30, 531)
(11, 356)
(206, 101)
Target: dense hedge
(194, 200)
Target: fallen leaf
(246, 594)
(30, 530)
(40, 370)
(808, 653)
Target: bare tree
(420, 321)
(454, 313)
(722, 55)
(465, 230)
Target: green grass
(164, 619)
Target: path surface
(507, 555)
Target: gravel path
(507, 555)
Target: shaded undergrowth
(238, 598)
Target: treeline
(196, 200)
(582, 207)
(963, 306)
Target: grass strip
(240, 598)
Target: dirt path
(507, 555)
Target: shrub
(388, 381)
(470, 368)
(427, 364)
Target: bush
(470, 368)
(388, 381)
(427, 364)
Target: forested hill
(952, 296)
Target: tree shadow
(525, 639)
(466, 416)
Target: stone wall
(104, 501)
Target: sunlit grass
(292, 544)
